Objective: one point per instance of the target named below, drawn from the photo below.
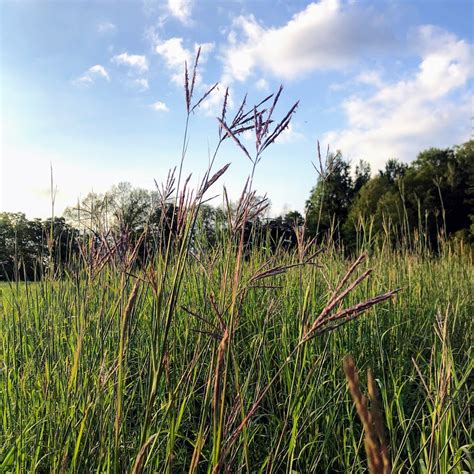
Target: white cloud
(175, 55)
(262, 85)
(212, 106)
(325, 35)
(429, 108)
(290, 135)
(371, 78)
(135, 61)
(142, 84)
(88, 78)
(181, 9)
(106, 27)
(160, 107)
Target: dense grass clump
(94, 379)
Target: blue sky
(94, 89)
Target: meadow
(230, 357)
(98, 376)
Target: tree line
(432, 198)
(428, 200)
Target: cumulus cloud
(290, 135)
(135, 61)
(430, 107)
(106, 27)
(94, 72)
(262, 84)
(175, 55)
(160, 107)
(212, 105)
(181, 9)
(325, 35)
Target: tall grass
(229, 358)
(77, 369)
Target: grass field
(174, 368)
(216, 358)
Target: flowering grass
(75, 364)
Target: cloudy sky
(95, 89)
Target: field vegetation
(164, 348)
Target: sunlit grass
(70, 350)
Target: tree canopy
(431, 197)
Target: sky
(93, 90)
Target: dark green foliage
(329, 202)
(428, 200)
(393, 170)
(362, 175)
(27, 247)
(293, 218)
